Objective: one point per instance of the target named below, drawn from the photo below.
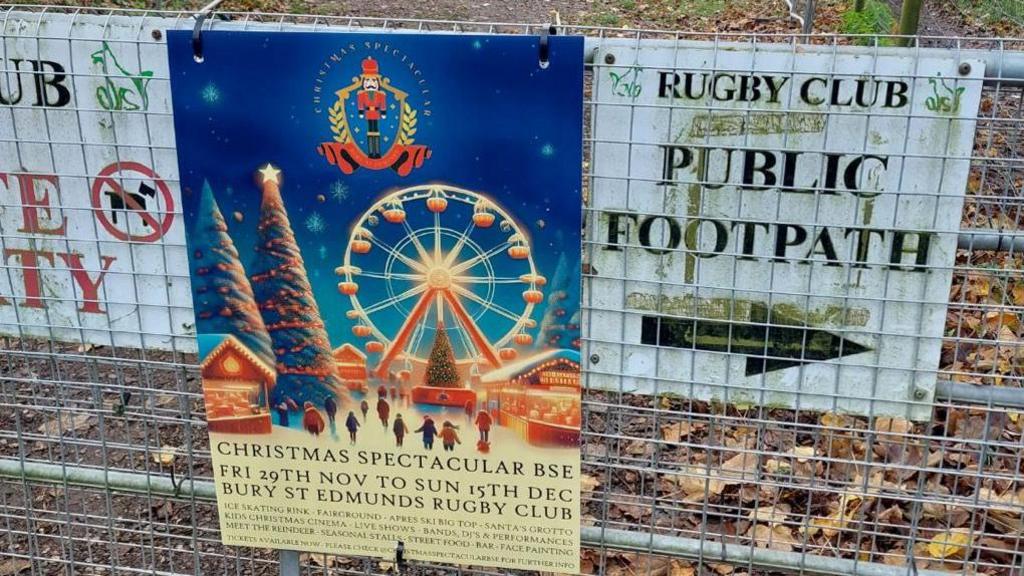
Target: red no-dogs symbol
(115, 205)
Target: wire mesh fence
(103, 447)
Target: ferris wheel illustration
(434, 258)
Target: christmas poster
(384, 240)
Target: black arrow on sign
(768, 347)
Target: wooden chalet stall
(539, 397)
(236, 389)
(351, 367)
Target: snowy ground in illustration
(372, 435)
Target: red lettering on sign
(30, 273)
(32, 277)
(90, 287)
(34, 204)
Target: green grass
(701, 7)
(875, 19)
(602, 18)
(994, 11)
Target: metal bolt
(964, 68)
(920, 393)
(157, 34)
(594, 358)
(609, 58)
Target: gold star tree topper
(270, 174)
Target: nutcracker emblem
(359, 120)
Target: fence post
(808, 17)
(910, 15)
(289, 560)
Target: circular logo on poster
(373, 97)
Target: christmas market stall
(236, 387)
(351, 365)
(539, 397)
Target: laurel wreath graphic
(339, 124)
(408, 126)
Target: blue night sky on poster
(494, 121)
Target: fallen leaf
(695, 482)
(896, 425)
(13, 566)
(742, 467)
(841, 515)
(834, 420)
(639, 448)
(996, 548)
(770, 514)
(773, 537)
(1004, 511)
(951, 544)
(802, 453)
(679, 430)
(640, 564)
(891, 515)
(680, 568)
(722, 569)
(165, 456)
(65, 422)
(163, 510)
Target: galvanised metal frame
(78, 498)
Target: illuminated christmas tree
(558, 328)
(224, 300)
(441, 370)
(305, 368)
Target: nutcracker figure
(371, 102)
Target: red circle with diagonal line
(109, 180)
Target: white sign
(92, 239)
(776, 226)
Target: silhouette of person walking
(383, 411)
(400, 430)
(352, 424)
(312, 421)
(282, 414)
(364, 406)
(331, 407)
(449, 436)
(483, 424)
(429, 431)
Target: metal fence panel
(103, 447)
(703, 229)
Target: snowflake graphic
(322, 251)
(547, 150)
(339, 191)
(315, 223)
(210, 93)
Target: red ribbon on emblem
(348, 157)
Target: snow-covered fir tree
(305, 367)
(560, 328)
(223, 297)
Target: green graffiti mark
(704, 125)
(116, 93)
(947, 102)
(626, 83)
